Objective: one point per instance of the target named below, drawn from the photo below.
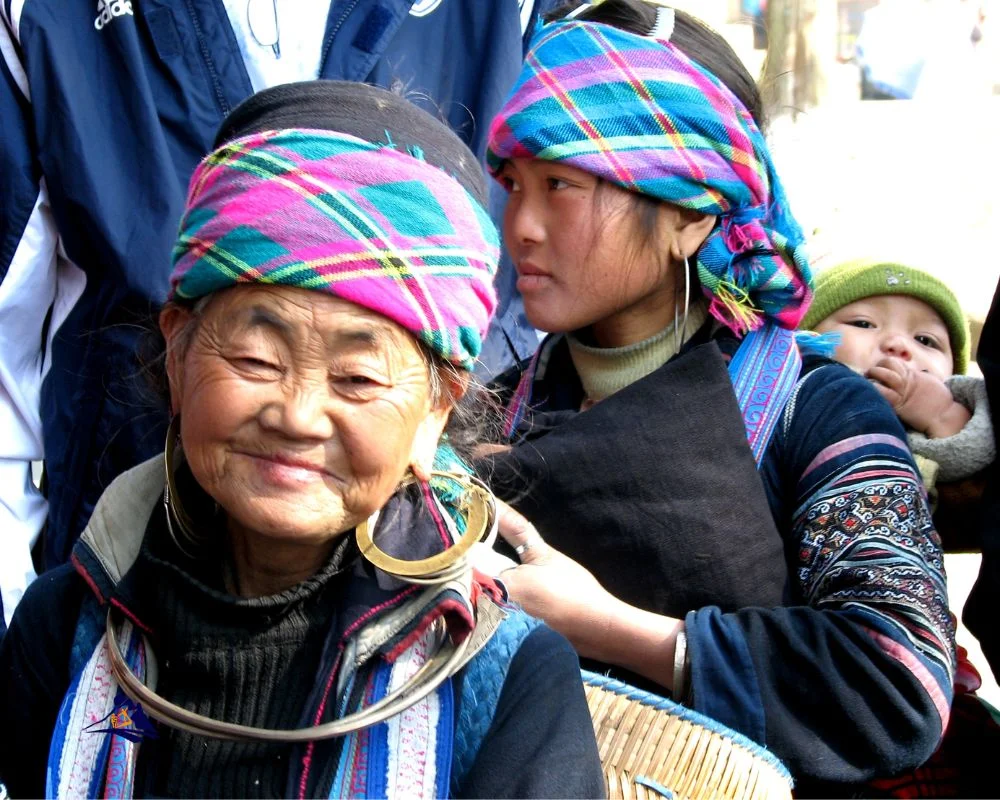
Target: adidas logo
(107, 10)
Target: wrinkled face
(891, 325)
(300, 412)
(573, 242)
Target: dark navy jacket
(847, 680)
(110, 105)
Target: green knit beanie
(846, 283)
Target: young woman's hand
(553, 587)
(488, 449)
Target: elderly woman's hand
(555, 588)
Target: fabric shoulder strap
(484, 679)
(764, 371)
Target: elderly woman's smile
(300, 411)
(288, 469)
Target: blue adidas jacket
(106, 108)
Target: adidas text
(107, 10)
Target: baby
(905, 331)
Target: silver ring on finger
(521, 549)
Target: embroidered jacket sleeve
(853, 679)
(34, 663)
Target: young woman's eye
(555, 184)
(861, 323)
(927, 341)
(509, 183)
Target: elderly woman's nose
(301, 414)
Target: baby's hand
(918, 398)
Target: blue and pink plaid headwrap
(333, 213)
(637, 112)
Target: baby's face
(891, 325)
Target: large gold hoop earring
(177, 518)
(480, 509)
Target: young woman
(711, 510)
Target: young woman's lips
(287, 473)
(530, 278)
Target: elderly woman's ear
(175, 322)
(430, 430)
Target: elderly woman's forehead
(297, 310)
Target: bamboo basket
(653, 748)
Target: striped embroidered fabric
(764, 372)
(361, 221)
(868, 546)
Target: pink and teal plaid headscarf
(361, 221)
(639, 113)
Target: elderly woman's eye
(355, 382)
(254, 364)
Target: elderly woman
(287, 592)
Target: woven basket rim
(683, 712)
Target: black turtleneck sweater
(250, 661)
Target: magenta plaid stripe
(361, 221)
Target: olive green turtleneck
(606, 370)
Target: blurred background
(885, 125)
(885, 117)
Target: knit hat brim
(855, 280)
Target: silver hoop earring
(687, 300)
(680, 331)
